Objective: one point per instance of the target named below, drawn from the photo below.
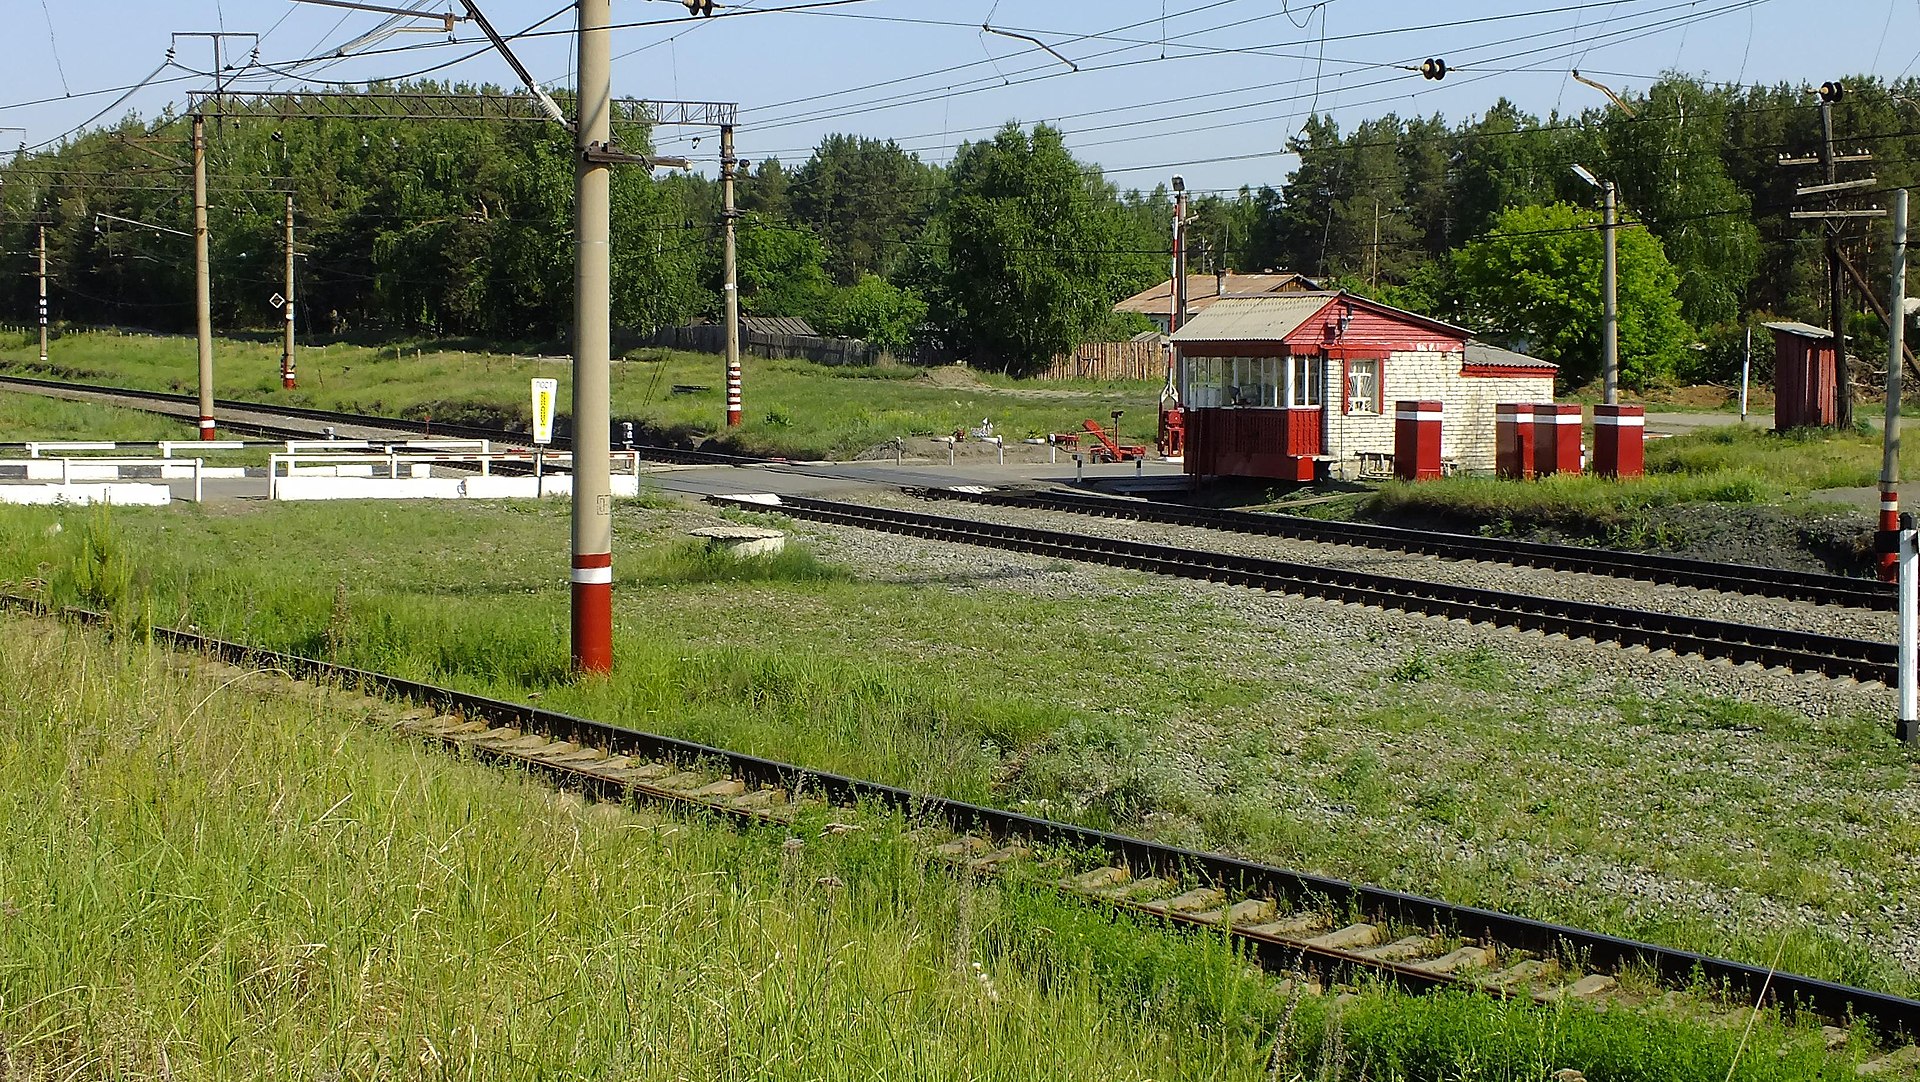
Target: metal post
(287, 375)
(199, 495)
(202, 277)
(1896, 332)
(1836, 281)
(1610, 315)
(592, 576)
(43, 294)
(732, 287)
(1746, 374)
(1909, 721)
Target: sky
(1210, 89)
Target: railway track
(1646, 567)
(1798, 651)
(1293, 923)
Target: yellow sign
(544, 392)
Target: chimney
(1220, 283)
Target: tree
(877, 310)
(863, 198)
(781, 270)
(1034, 254)
(1536, 277)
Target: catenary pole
(202, 277)
(592, 572)
(1610, 310)
(1896, 331)
(43, 294)
(732, 287)
(287, 373)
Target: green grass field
(793, 408)
(219, 876)
(25, 416)
(1444, 771)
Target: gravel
(1680, 821)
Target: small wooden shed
(1803, 376)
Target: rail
(617, 762)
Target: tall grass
(205, 877)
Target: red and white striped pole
(731, 269)
(1896, 334)
(592, 577)
(733, 393)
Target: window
(1305, 386)
(1363, 386)
(1232, 381)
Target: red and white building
(1304, 385)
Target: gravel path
(1540, 582)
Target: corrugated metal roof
(1253, 319)
(1804, 330)
(1485, 353)
(1203, 290)
(790, 325)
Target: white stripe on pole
(593, 575)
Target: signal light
(1431, 68)
(699, 7)
(1833, 91)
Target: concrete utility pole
(1610, 301)
(202, 277)
(592, 347)
(1896, 332)
(1609, 285)
(731, 289)
(287, 374)
(43, 294)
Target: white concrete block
(121, 495)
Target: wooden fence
(1110, 360)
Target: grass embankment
(793, 408)
(208, 876)
(1454, 771)
(1710, 469)
(25, 416)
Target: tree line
(1012, 253)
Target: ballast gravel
(1755, 830)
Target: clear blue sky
(1251, 68)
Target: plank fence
(1110, 361)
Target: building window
(1363, 386)
(1304, 387)
(1232, 381)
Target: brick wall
(1467, 428)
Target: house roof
(1253, 319)
(1482, 353)
(1203, 290)
(1272, 318)
(1804, 330)
(789, 325)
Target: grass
(210, 876)
(793, 408)
(25, 416)
(1447, 770)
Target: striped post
(593, 611)
(1619, 440)
(1513, 439)
(733, 394)
(1889, 523)
(1416, 439)
(207, 429)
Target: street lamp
(1610, 311)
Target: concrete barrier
(120, 495)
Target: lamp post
(1610, 308)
